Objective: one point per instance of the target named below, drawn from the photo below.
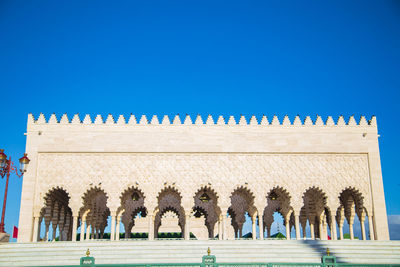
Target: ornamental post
(83, 226)
(297, 224)
(113, 218)
(74, 226)
(333, 227)
(260, 223)
(253, 220)
(187, 226)
(151, 227)
(220, 227)
(287, 219)
(6, 168)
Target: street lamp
(6, 168)
(273, 195)
(204, 197)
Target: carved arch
(242, 201)
(206, 200)
(94, 200)
(278, 200)
(57, 212)
(131, 204)
(169, 198)
(314, 205)
(351, 204)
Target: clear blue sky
(217, 57)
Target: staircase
(180, 251)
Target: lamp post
(6, 168)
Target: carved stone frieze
(188, 172)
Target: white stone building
(139, 172)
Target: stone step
(180, 251)
(155, 245)
(142, 251)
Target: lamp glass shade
(135, 196)
(273, 196)
(204, 198)
(23, 163)
(3, 158)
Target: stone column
(371, 228)
(321, 230)
(224, 233)
(351, 230)
(87, 237)
(93, 234)
(118, 227)
(74, 227)
(364, 237)
(253, 233)
(187, 226)
(340, 221)
(341, 231)
(287, 230)
(287, 226)
(35, 228)
(83, 226)
(46, 234)
(297, 226)
(333, 228)
(151, 227)
(260, 226)
(102, 232)
(54, 232)
(312, 231)
(113, 215)
(61, 233)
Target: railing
(211, 261)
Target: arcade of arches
(206, 219)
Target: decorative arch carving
(278, 200)
(242, 201)
(315, 203)
(352, 201)
(206, 200)
(132, 204)
(169, 199)
(95, 201)
(56, 211)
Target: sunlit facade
(201, 178)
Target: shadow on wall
(320, 247)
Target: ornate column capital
(260, 210)
(113, 213)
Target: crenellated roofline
(210, 121)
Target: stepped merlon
(220, 120)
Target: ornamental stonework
(93, 174)
(188, 172)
